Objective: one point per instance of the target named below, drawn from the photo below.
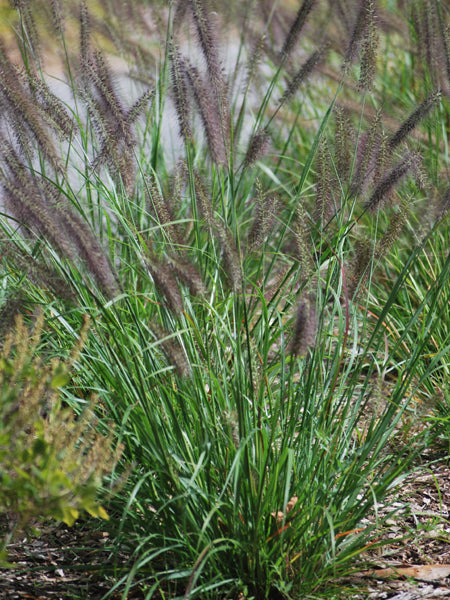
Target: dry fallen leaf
(280, 515)
(421, 572)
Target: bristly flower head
(203, 201)
(231, 259)
(57, 16)
(29, 112)
(254, 59)
(344, 136)
(113, 122)
(140, 106)
(305, 327)
(304, 72)
(35, 203)
(369, 47)
(85, 34)
(187, 274)
(210, 115)
(165, 283)
(410, 162)
(217, 100)
(267, 207)
(28, 23)
(432, 39)
(358, 271)
(394, 229)
(369, 152)
(364, 36)
(172, 350)
(179, 84)
(327, 184)
(206, 36)
(443, 207)
(414, 119)
(163, 209)
(257, 148)
(296, 28)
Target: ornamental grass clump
(244, 242)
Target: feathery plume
(369, 48)
(187, 274)
(88, 248)
(418, 20)
(431, 34)
(394, 229)
(40, 274)
(204, 205)
(163, 210)
(266, 209)
(259, 146)
(140, 106)
(102, 77)
(414, 118)
(231, 261)
(207, 39)
(443, 206)
(29, 26)
(343, 141)
(35, 202)
(85, 34)
(111, 120)
(362, 23)
(277, 286)
(57, 16)
(172, 350)
(409, 162)
(178, 180)
(27, 118)
(209, 115)
(165, 283)
(179, 85)
(52, 109)
(381, 158)
(13, 306)
(359, 269)
(325, 204)
(220, 104)
(25, 200)
(296, 28)
(433, 212)
(305, 326)
(367, 156)
(432, 40)
(254, 59)
(179, 16)
(303, 73)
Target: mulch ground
(415, 562)
(52, 566)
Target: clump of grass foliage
(259, 239)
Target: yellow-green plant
(52, 461)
